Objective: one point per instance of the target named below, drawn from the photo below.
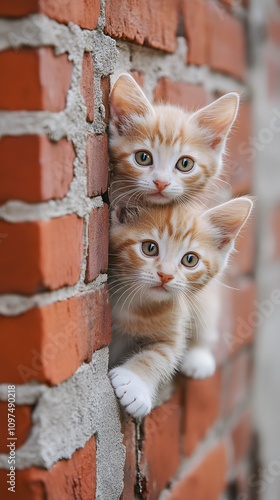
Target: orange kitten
(162, 154)
(161, 260)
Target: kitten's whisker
(122, 181)
(134, 290)
(117, 285)
(223, 181)
(117, 200)
(139, 289)
(119, 289)
(127, 290)
(226, 286)
(136, 190)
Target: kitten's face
(162, 154)
(164, 253)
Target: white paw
(131, 391)
(198, 363)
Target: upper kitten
(161, 154)
(161, 260)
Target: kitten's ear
(218, 117)
(227, 219)
(127, 99)
(124, 215)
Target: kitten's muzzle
(165, 278)
(161, 185)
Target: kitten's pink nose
(161, 185)
(165, 277)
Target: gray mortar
(13, 304)
(67, 416)
(26, 394)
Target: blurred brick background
(56, 59)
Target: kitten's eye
(143, 158)
(190, 260)
(150, 248)
(185, 164)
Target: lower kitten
(162, 261)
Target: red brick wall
(54, 312)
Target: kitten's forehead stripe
(129, 241)
(185, 235)
(170, 228)
(159, 133)
(124, 155)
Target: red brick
(243, 260)
(217, 30)
(206, 481)
(130, 470)
(241, 437)
(73, 478)
(17, 8)
(237, 378)
(245, 315)
(85, 13)
(98, 243)
(150, 23)
(273, 28)
(195, 21)
(238, 166)
(36, 256)
(42, 171)
(23, 422)
(49, 344)
(161, 447)
(226, 51)
(187, 96)
(43, 83)
(97, 164)
(105, 89)
(202, 409)
(87, 84)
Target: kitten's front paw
(198, 363)
(131, 391)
